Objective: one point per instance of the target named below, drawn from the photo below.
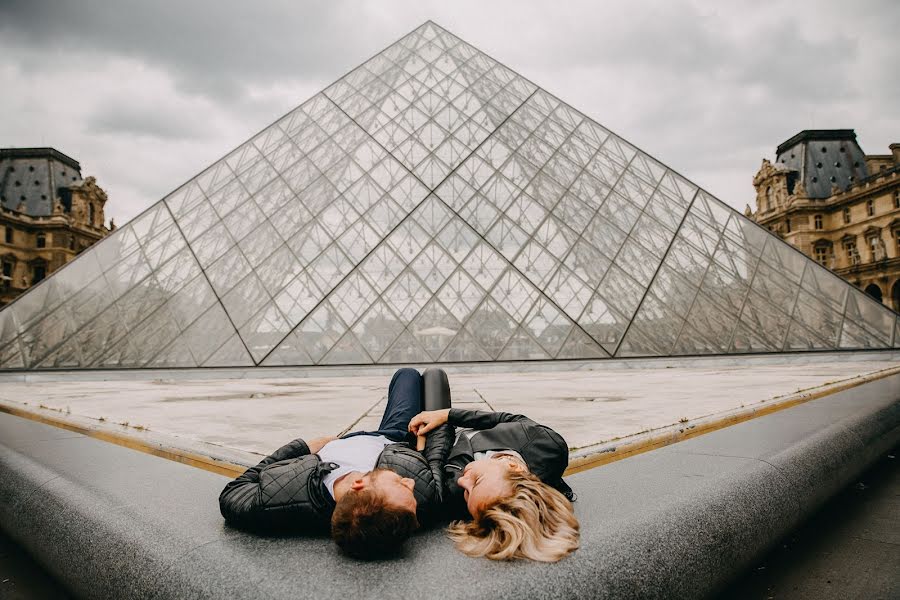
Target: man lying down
(375, 488)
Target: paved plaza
(245, 416)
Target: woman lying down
(505, 472)
(502, 473)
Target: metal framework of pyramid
(434, 206)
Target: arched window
(768, 205)
(91, 214)
(874, 291)
(38, 272)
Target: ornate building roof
(31, 179)
(824, 158)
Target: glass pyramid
(434, 206)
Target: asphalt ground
(848, 549)
(21, 578)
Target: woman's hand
(428, 420)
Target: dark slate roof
(33, 176)
(824, 157)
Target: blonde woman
(505, 472)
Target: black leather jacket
(285, 491)
(545, 452)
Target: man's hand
(317, 444)
(428, 420)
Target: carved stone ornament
(89, 188)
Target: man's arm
(244, 501)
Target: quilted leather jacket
(285, 490)
(545, 451)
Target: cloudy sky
(145, 94)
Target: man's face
(393, 489)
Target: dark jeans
(404, 402)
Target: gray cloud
(707, 88)
(120, 119)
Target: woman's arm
(483, 419)
(429, 420)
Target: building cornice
(13, 153)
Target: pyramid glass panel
(433, 205)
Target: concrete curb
(597, 455)
(679, 521)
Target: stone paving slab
(588, 407)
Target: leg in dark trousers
(404, 402)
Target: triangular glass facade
(434, 206)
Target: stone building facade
(837, 205)
(48, 214)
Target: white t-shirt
(357, 453)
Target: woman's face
(484, 481)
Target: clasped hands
(426, 421)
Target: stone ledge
(678, 521)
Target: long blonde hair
(535, 522)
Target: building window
(818, 221)
(787, 225)
(8, 235)
(876, 247)
(870, 208)
(41, 241)
(71, 242)
(6, 280)
(90, 214)
(897, 199)
(852, 254)
(846, 215)
(822, 255)
(40, 271)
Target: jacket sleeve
(437, 449)
(267, 494)
(482, 419)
